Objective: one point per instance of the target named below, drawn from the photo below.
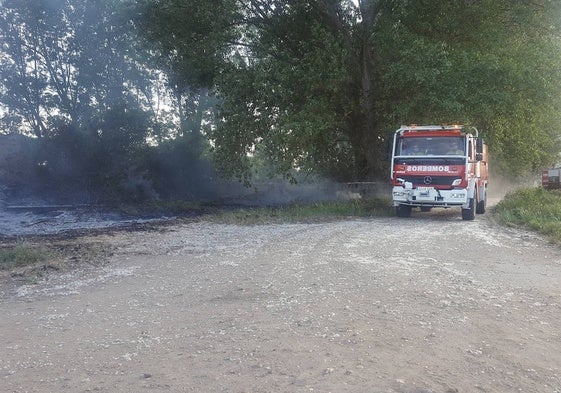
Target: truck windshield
(431, 146)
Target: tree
(75, 78)
(316, 85)
(495, 64)
(66, 61)
(191, 41)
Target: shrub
(534, 208)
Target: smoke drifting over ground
(34, 215)
(57, 195)
(278, 192)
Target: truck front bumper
(430, 196)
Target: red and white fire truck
(439, 166)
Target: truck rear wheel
(403, 211)
(469, 213)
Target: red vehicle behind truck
(439, 166)
(551, 178)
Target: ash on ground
(34, 217)
(22, 222)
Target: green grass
(306, 212)
(533, 208)
(22, 255)
(159, 206)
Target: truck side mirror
(479, 149)
(479, 146)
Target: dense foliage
(134, 97)
(317, 85)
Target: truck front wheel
(403, 211)
(469, 213)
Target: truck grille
(430, 181)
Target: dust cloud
(500, 186)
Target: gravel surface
(426, 304)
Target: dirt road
(427, 304)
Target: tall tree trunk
(368, 150)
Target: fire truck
(551, 178)
(439, 166)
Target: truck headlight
(456, 182)
(458, 195)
